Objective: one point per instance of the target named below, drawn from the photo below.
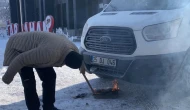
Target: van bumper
(140, 69)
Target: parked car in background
(139, 41)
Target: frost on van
(181, 83)
(139, 5)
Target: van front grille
(116, 40)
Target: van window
(137, 5)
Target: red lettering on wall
(26, 27)
(39, 26)
(46, 25)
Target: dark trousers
(48, 78)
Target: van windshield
(137, 5)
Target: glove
(6, 79)
(82, 69)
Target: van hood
(136, 20)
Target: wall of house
(14, 11)
(70, 14)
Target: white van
(141, 41)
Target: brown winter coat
(35, 49)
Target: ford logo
(105, 39)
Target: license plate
(104, 61)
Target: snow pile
(60, 31)
(3, 70)
(3, 34)
(3, 42)
(65, 32)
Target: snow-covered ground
(70, 83)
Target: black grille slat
(116, 51)
(108, 32)
(113, 35)
(109, 46)
(108, 49)
(123, 43)
(122, 40)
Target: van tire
(155, 71)
(179, 86)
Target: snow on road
(70, 83)
(2, 48)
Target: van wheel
(179, 86)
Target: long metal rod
(88, 83)
(75, 14)
(21, 16)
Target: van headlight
(85, 29)
(162, 31)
